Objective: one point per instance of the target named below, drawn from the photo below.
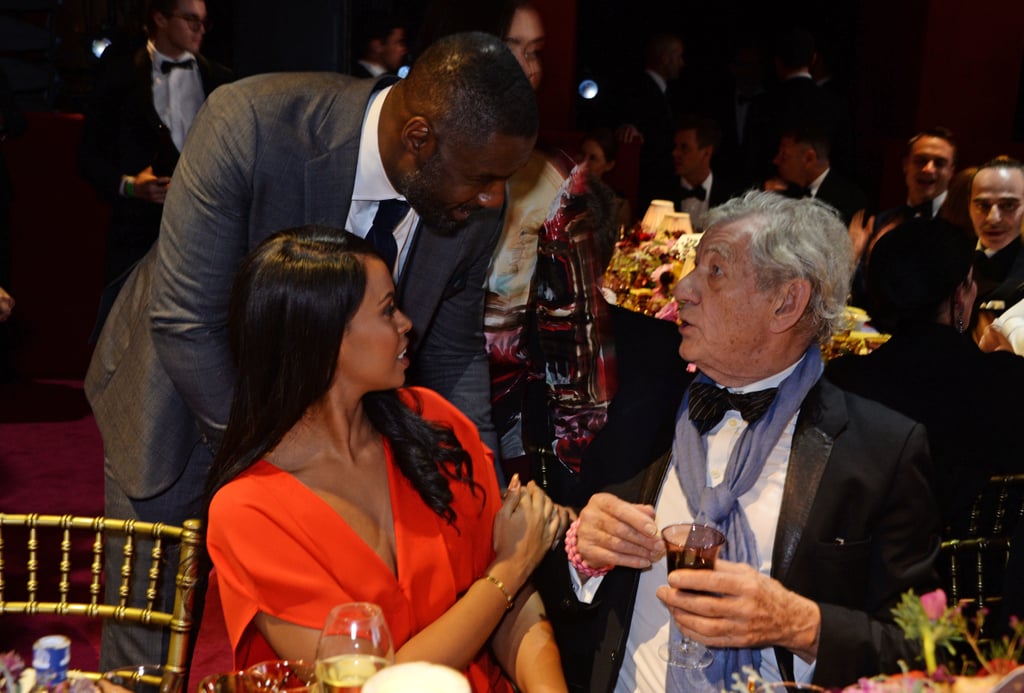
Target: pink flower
(934, 604)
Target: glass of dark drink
(690, 547)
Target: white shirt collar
(374, 69)
(371, 180)
(659, 80)
(706, 183)
(816, 183)
(936, 202)
(156, 57)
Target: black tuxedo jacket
(858, 527)
(843, 194)
(793, 103)
(123, 135)
(650, 111)
(1000, 278)
(919, 372)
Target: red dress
(278, 548)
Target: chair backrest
(46, 591)
(973, 565)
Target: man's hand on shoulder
(736, 606)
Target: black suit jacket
(650, 111)
(843, 194)
(857, 528)
(1000, 278)
(123, 135)
(793, 103)
(921, 372)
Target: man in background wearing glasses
(140, 111)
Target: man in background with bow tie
(695, 142)
(821, 494)
(431, 153)
(805, 170)
(140, 111)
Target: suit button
(566, 603)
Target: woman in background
(921, 283)
(334, 484)
(599, 150)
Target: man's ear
(791, 304)
(810, 157)
(418, 139)
(160, 20)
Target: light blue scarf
(719, 506)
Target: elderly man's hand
(614, 532)
(736, 606)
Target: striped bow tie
(708, 404)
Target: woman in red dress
(336, 484)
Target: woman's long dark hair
(292, 299)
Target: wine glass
(693, 547)
(283, 676)
(354, 644)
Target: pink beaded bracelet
(573, 552)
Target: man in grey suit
(277, 151)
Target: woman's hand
(524, 530)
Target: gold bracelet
(509, 602)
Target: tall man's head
(176, 26)
(771, 278)
(802, 156)
(663, 53)
(997, 202)
(929, 164)
(695, 142)
(456, 129)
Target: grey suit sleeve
(857, 642)
(203, 237)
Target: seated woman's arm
(524, 529)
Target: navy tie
(382, 232)
(708, 404)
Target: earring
(960, 322)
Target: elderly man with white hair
(821, 494)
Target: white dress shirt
(177, 95)
(372, 185)
(697, 209)
(816, 183)
(643, 669)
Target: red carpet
(51, 461)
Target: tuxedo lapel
(822, 416)
(144, 90)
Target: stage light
(99, 45)
(588, 89)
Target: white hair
(796, 239)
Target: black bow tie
(699, 192)
(167, 65)
(708, 404)
(923, 210)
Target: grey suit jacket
(266, 153)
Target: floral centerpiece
(939, 628)
(15, 677)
